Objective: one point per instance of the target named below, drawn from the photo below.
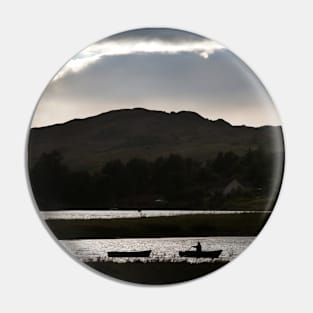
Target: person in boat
(198, 247)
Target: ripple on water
(163, 249)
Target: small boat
(129, 254)
(201, 254)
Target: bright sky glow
(157, 69)
(203, 48)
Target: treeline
(167, 182)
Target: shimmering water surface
(163, 249)
(108, 214)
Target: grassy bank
(156, 272)
(153, 227)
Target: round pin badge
(155, 156)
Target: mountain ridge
(142, 133)
(159, 111)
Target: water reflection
(163, 249)
(108, 214)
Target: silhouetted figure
(198, 247)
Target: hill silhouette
(140, 133)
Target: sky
(158, 69)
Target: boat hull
(129, 254)
(201, 254)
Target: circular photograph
(155, 156)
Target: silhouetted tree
(49, 179)
(179, 182)
(226, 164)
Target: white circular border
(274, 40)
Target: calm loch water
(163, 249)
(108, 214)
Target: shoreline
(144, 213)
(201, 225)
(156, 273)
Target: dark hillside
(140, 133)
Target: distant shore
(156, 272)
(165, 226)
